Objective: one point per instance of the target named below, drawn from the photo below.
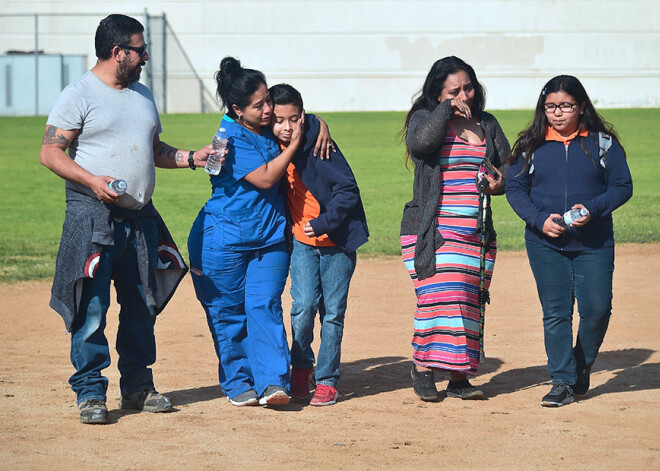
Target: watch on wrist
(191, 160)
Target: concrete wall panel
(373, 55)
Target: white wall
(354, 55)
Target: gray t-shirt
(116, 132)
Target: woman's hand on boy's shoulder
(324, 144)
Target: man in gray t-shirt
(109, 124)
(116, 137)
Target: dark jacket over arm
(88, 228)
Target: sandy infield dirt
(378, 422)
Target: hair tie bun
(229, 66)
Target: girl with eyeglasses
(569, 158)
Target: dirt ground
(378, 422)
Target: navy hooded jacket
(564, 176)
(333, 184)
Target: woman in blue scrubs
(238, 252)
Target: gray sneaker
(247, 398)
(148, 400)
(274, 396)
(93, 411)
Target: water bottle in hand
(118, 186)
(571, 216)
(219, 144)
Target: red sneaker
(324, 396)
(300, 382)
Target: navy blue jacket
(564, 176)
(332, 183)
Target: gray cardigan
(426, 132)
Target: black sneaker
(424, 384)
(148, 400)
(560, 395)
(93, 411)
(581, 387)
(464, 390)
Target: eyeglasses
(550, 108)
(142, 50)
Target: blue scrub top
(245, 217)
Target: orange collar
(552, 135)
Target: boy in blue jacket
(328, 225)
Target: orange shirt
(552, 135)
(303, 208)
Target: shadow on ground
(630, 374)
(371, 376)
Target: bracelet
(191, 160)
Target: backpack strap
(604, 144)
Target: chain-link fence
(42, 53)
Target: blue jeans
(561, 278)
(320, 277)
(136, 344)
(241, 293)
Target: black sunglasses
(142, 50)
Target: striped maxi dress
(446, 323)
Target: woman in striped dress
(448, 137)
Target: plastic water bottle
(219, 144)
(573, 215)
(118, 186)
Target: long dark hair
(433, 85)
(534, 135)
(236, 84)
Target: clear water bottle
(219, 144)
(118, 186)
(573, 215)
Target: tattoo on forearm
(179, 157)
(51, 137)
(168, 152)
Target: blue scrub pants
(241, 293)
(561, 278)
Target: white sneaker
(274, 396)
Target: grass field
(33, 197)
